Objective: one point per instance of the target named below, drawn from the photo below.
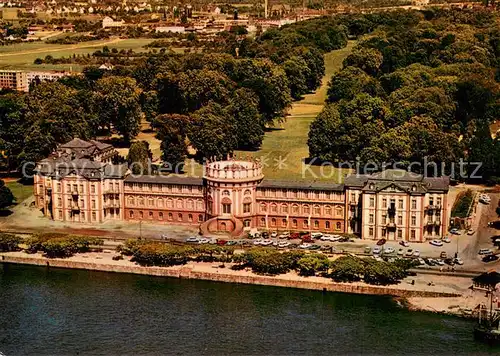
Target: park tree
(6, 196)
(171, 130)
(297, 72)
(346, 269)
(309, 265)
(13, 128)
(249, 128)
(211, 132)
(349, 82)
(322, 134)
(367, 59)
(485, 150)
(139, 158)
(118, 100)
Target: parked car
(494, 224)
(305, 245)
(439, 262)
(316, 235)
(450, 261)
(443, 255)
(404, 243)
(485, 251)
(421, 261)
(284, 235)
(213, 241)
(274, 234)
(409, 252)
(436, 243)
(446, 239)
(376, 250)
(266, 242)
(454, 231)
(265, 235)
(325, 237)
(258, 242)
(416, 253)
(401, 252)
(389, 249)
(429, 261)
(314, 247)
(221, 242)
(294, 235)
(283, 244)
(368, 249)
(307, 238)
(471, 232)
(335, 238)
(381, 242)
(192, 239)
(490, 258)
(459, 261)
(203, 240)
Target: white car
(274, 234)
(335, 238)
(436, 243)
(316, 235)
(376, 250)
(305, 245)
(266, 242)
(283, 244)
(416, 253)
(325, 237)
(439, 262)
(192, 239)
(204, 241)
(404, 243)
(213, 241)
(446, 239)
(284, 235)
(459, 261)
(389, 249)
(471, 232)
(421, 261)
(485, 251)
(258, 242)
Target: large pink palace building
(79, 183)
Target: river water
(61, 312)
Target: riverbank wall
(229, 276)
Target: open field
(20, 191)
(22, 55)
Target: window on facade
(338, 226)
(400, 220)
(151, 202)
(179, 204)
(246, 208)
(370, 231)
(226, 208)
(179, 217)
(316, 210)
(384, 232)
(384, 218)
(200, 218)
(316, 224)
(160, 202)
(59, 202)
(94, 216)
(371, 220)
(246, 223)
(141, 214)
(384, 203)
(263, 207)
(190, 204)
(93, 204)
(200, 204)
(150, 215)
(294, 223)
(327, 225)
(92, 188)
(190, 217)
(274, 208)
(400, 233)
(438, 201)
(170, 216)
(431, 201)
(413, 220)
(372, 202)
(141, 201)
(305, 209)
(414, 203)
(225, 193)
(284, 209)
(283, 222)
(328, 210)
(262, 222)
(59, 187)
(273, 222)
(305, 223)
(400, 204)
(160, 215)
(295, 209)
(131, 214)
(412, 234)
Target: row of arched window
(301, 209)
(161, 216)
(188, 204)
(294, 223)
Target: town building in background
(20, 80)
(80, 183)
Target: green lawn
(20, 191)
